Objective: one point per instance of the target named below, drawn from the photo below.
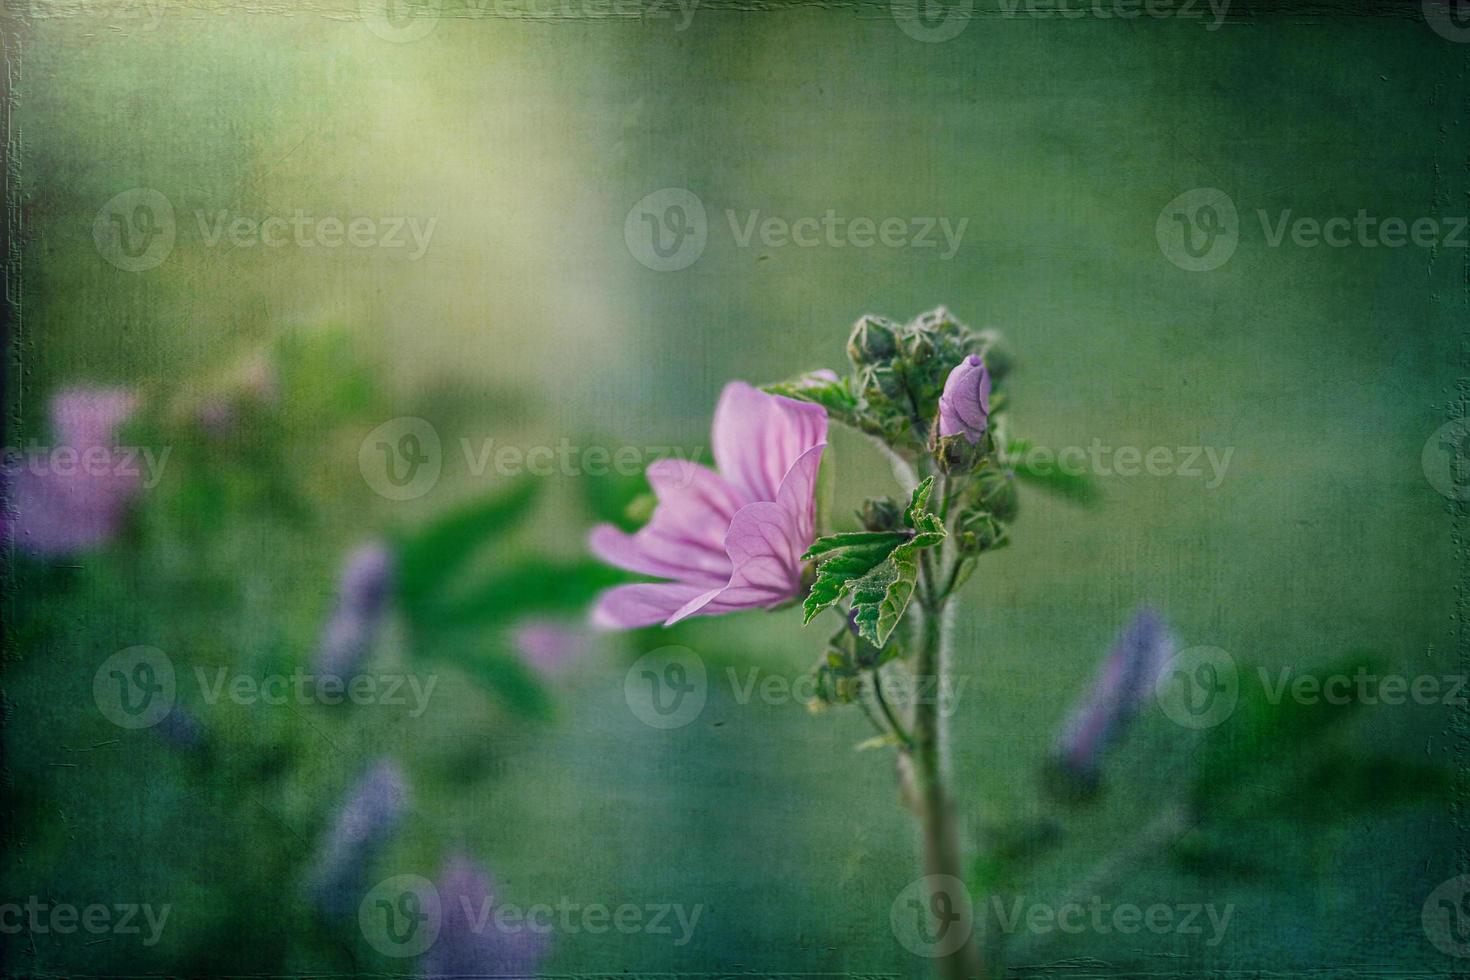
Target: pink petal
(684, 540)
(630, 606)
(757, 437)
(765, 545)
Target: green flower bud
(995, 492)
(980, 531)
(872, 341)
(956, 454)
(881, 514)
(882, 387)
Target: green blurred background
(527, 319)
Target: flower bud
(871, 342)
(881, 514)
(964, 408)
(995, 493)
(881, 386)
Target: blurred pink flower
(730, 540)
(548, 647)
(73, 496)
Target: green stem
(934, 808)
(894, 723)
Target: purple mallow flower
(368, 817)
(1123, 685)
(472, 942)
(730, 540)
(73, 497)
(964, 407)
(362, 601)
(548, 647)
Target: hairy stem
(934, 808)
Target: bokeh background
(526, 135)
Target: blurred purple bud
(964, 407)
(548, 647)
(61, 504)
(357, 617)
(368, 817)
(472, 942)
(1123, 684)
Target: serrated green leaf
(858, 540)
(880, 569)
(836, 572)
(880, 597)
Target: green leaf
(878, 568)
(1260, 735)
(510, 680)
(886, 541)
(880, 597)
(1076, 487)
(497, 670)
(427, 561)
(534, 586)
(617, 497)
(928, 528)
(1344, 785)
